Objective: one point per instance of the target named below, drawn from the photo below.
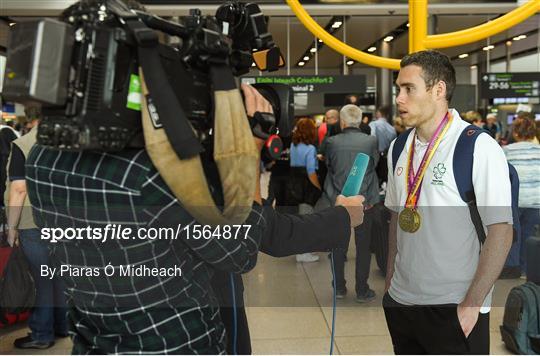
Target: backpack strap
(463, 163)
(463, 170)
(514, 185)
(399, 145)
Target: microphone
(356, 175)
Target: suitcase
(9, 316)
(533, 259)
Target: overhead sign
(352, 84)
(510, 85)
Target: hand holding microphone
(354, 206)
(350, 198)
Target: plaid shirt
(128, 314)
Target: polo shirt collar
(456, 119)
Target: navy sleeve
(289, 234)
(16, 164)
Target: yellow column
(418, 12)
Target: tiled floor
(290, 312)
(360, 329)
(289, 309)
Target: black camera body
(96, 113)
(83, 70)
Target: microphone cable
(333, 303)
(235, 317)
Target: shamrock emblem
(439, 170)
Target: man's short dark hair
(435, 66)
(385, 111)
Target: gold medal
(409, 220)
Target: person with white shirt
(385, 134)
(524, 155)
(381, 128)
(439, 279)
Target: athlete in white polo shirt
(439, 281)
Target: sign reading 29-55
(510, 85)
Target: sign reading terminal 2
(352, 84)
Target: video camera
(83, 70)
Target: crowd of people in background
(48, 317)
(323, 151)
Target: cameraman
(166, 315)
(114, 314)
(109, 313)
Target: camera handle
(262, 123)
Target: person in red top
(330, 118)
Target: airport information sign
(315, 83)
(510, 85)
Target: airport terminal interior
(289, 300)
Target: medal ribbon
(414, 181)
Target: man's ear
(440, 90)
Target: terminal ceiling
(368, 22)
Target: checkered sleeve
(231, 253)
